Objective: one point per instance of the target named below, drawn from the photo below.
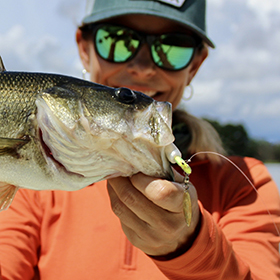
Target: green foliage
(236, 141)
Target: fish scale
(18, 94)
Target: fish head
(129, 113)
(101, 132)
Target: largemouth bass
(63, 133)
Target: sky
(238, 83)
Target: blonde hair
(203, 136)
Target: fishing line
(174, 156)
(183, 166)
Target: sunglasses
(170, 51)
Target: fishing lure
(187, 203)
(174, 156)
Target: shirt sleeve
(242, 243)
(19, 236)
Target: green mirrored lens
(173, 52)
(115, 43)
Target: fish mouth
(49, 155)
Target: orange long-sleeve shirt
(75, 235)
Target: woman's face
(141, 73)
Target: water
(274, 169)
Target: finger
(178, 177)
(123, 212)
(167, 195)
(131, 198)
(128, 197)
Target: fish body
(63, 133)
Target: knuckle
(117, 208)
(127, 198)
(167, 227)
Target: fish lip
(48, 154)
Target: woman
(76, 235)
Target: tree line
(237, 142)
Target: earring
(188, 89)
(84, 71)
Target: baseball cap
(189, 13)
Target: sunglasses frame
(146, 38)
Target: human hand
(151, 213)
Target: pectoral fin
(7, 194)
(11, 145)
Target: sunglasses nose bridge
(149, 39)
(146, 39)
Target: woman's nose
(142, 64)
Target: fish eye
(126, 95)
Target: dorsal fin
(2, 67)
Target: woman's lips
(150, 93)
